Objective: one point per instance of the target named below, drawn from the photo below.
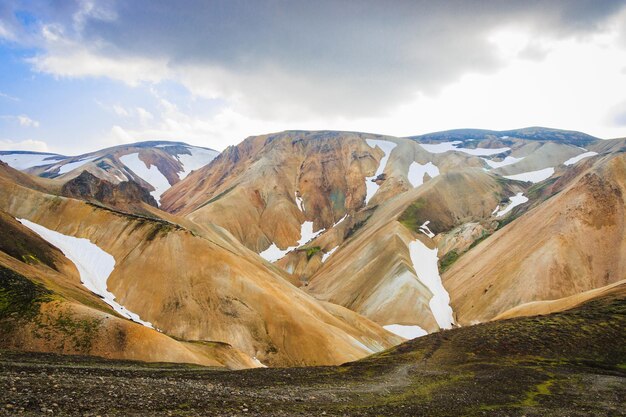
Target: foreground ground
(565, 364)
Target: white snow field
(94, 265)
(417, 171)
(532, 176)
(408, 332)
(150, 175)
(425, 264)
(424, 229)
(73, 165)
(199, 157)
(452, 146)
(580, 157)
(327, 254)
(386, 147)
(23, 161)
(274, 253)
(516, 200)
(509, 160)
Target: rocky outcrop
(88, 187)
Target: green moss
(484, 235)
(19, 297)
(79, 332)
(28, 248)
(355, 227)
(410, 217)
(540, 389)
(447, 260)
(310, 251)
(159, 230)
(537, 191)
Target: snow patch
(73, 165)
(151, 175)
(532, 176)
(327, 254)
(425, 264)
(408, 332)
(386, 146)
(299, 202)
(94, 265)
(452, 146)
(417, 171)
(580, 157)
(424, 229)
(258, 362)
(274, 253)
(340, 220)
(23, 161)
(516, 200)
(199, 157)
(509, 160)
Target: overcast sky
(77, 76)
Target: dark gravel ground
(565, 364)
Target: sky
(81, 75)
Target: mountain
(528, 133)
(195, 284)
(321, 247)
(155, 165)
(369, 221)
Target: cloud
(22, 120)
(24, 145)
(8, 97)
(617, 115)
(120, 110)
(280, 60)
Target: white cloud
(24, 145)
(144, 115)
(120, 110)
(5, 33)
(8, 96)
(71, 59)
(95, 10)
(22, 120)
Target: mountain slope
(339, 212)
(572, 242)
(212, 290)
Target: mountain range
(304, 248)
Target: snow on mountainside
(155, 165)
(93, 264)
(23, 160)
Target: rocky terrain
(565, 364)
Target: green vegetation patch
(448, 259)
(484, 235)
(310, 251)
(22, 246)
(20, 297)
(411, 217)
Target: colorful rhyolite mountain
(302, 248)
